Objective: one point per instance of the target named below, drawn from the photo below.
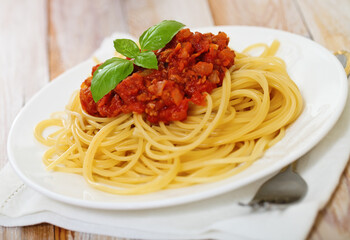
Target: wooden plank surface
(61, 33)
(143, 14)
(279, 14)
(24, 70)
(328, 22)
(76, 29)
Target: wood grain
(279, 14)
(76, 29)
(24, 70)
(328, 22)
(23, 59)
(40, 231)
(143, 14)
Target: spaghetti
(126, 155)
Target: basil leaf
(159, 35)
(108, 75)
(126, 47)
(114, 70)
(146, 60)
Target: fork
(284, 188)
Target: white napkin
(215, 218)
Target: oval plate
(318, 74)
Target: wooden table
(40, 39)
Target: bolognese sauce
(189, 66)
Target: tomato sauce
(189, 66)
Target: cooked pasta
(127, 155)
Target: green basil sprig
(114, 70)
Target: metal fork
(284, 188)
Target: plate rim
(179, 200)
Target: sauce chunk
(189, 66)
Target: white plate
(314, 69)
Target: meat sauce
(189, 66)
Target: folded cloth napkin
(215, 218)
